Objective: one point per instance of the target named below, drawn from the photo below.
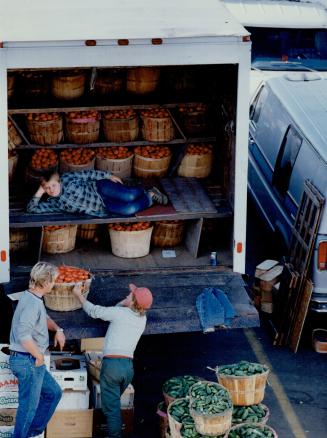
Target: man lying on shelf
(92, 192)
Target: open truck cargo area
(201, 57)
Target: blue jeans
(38, 396)
(116, 375)
(121, 199)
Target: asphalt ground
(296, 394)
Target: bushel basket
(65, 166)
(121, 167)
(253, 427)
(142, 80)
(58, 241)
(157, 129)
(145, 167)
(168, 233)
(45, 132)
(196, 166)
(62, 299)
(82, 131)
(245, 390)
(68, 86)
(120, 130)
(130, 244)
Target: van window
(286, 159)
(256, 106)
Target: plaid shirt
(78, 195)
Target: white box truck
(203, 56)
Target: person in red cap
(127, 323)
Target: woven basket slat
(245, 390)
(69, 167)
(62, 299)
(157, 129)
(82, 133)
(68, 87)
(148, 167)
(106, 85)
(10, 85)
(130, 244)
(45, 132)
(168, 234)
(142, 80)
(87, 231)
(12, 165)
(259, 426)
(59, 241)
(18, 239)
(119, 167)
(196, 166)
(121, 130)
(14, 138)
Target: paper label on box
(9, 400)
(8, 382)
(7, 417)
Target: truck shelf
(173, 292)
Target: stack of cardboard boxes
(9, 393)
(267, 275)
(72, 418)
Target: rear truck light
(3, 255)
(90, 43)
(322, 256)
(123, 42)
(239, 247)
(156, 41)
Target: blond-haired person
(38, 392)
(127, 323)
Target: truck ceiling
(75, 20)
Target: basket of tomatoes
(82, 127)
(150, 161)
(157, 125)
(130, 240)
(197, 161)
(116, 159)
(77, 159)
(61, 297)
(120, 125)
(58, 239)
(45, 128)
(43, 162)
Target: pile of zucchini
(249, 414)
(209, 398)
(180, 411)
(178, 387)
(189, 431)
(242, 368)
(251, 431)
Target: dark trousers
(116, 375)
(121, 199)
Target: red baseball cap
(143, 296)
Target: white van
(286, 36)
(287, 145)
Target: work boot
(158, 196)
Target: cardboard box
(74, 379)
(8, 382)
(126, 399)
(74, 400)
(7, 417)
(100, 428)
(92, 344)
(71, 423)
(8, 400)
(264, 266)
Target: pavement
(295, 395)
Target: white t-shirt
(124, 331)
